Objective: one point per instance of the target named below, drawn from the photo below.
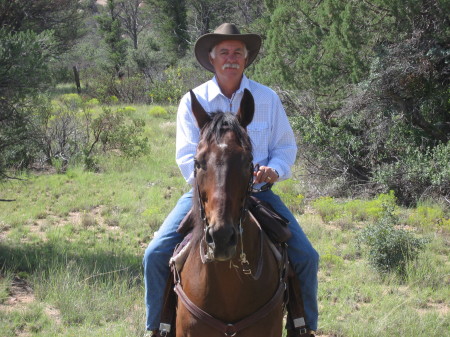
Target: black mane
(221, 123)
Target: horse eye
(198, 165)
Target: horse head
(223, 173)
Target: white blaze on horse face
(223, 146)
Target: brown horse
(231, 282)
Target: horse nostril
(233, 239)
(208, 237)
(222, 236)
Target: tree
(171, 25)
(24, 72)
(134, 17)
(63, 17)
(205, 15)
(110, 27)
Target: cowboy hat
(226, 31)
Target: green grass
(77, 240)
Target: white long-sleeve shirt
(270, 132)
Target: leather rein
(231, 329)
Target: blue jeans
(302, 255)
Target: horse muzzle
(221, 242)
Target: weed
(427, 215)
(390, 249)
(158, 111)
(87, 220)
(327, 208)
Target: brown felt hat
(226, 31)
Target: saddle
(276, 228)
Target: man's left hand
(265, 174)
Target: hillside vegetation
(364, 82)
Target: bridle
(205, 254)
(231, 329)
(250, 189)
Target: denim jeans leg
(303, 257)
(156, 260)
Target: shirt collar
(214, 89)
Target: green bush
(176, 82)
(157, 110)
(327, 208)
(427, 215)
(389, 247)
(420, 173)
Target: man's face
(229, 61)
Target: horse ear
(246, 109)
(199, 113)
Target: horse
(231, 282)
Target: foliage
(422, 173)
(364, 83)
(170, 19)
(367, 86)
(132, 89)
(158, 110)
(63, 18)
(429, 215)
(331, 209)
(110, 27)
(24, 60)
(70, 129)
(177, 81)
(390, 249)
(135, 17)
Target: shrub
(421, 173)
(157, 110)
(129, 109)
(390, 248)
(426, 215)
(93, 102)
(176, 82)
(327, 208)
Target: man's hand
(265, 174)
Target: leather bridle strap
(231, 329)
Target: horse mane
(220, 124)
(213, 131)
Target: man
(227, 53)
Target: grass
(71, 246)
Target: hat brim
(206, 42)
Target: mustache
(230, 65)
